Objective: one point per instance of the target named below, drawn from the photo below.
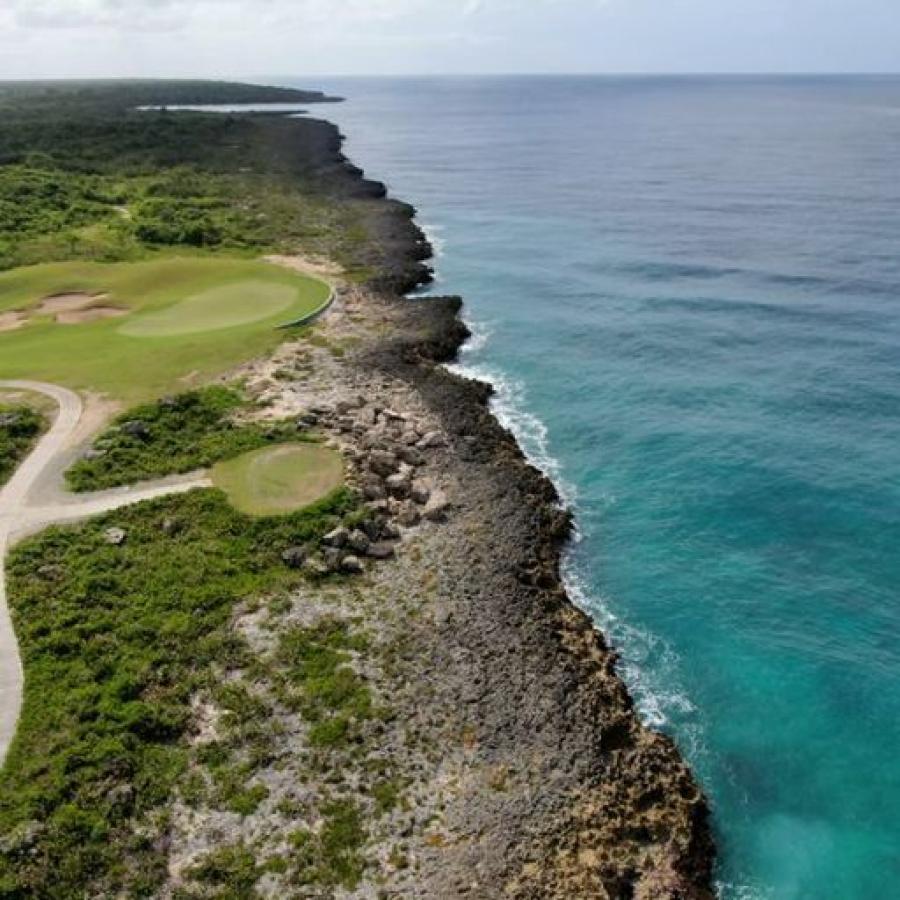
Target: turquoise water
(688, 294)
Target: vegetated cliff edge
(592, 803)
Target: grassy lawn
(274, 481)
(183, 319)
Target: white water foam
(648, 664)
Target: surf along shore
(518, 765)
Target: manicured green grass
(116, 642)
(166, 437)
(225, 306)
(230, 309)
(277, 480)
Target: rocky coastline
(523, 753)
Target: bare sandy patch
(317, 266)
(73, 301)
(91, 314)
(10, 321)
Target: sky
(258, 38)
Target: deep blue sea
(687, 292)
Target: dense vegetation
(117, 641)
(85, 174)
(19, 429)
(171, 436)
(126, 639)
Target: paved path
(39, 476)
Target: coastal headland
(385, 694)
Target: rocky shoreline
(528, 771)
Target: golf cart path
(39, 475)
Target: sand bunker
(92, 314)
(10, 321)
(74, 301)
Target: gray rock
(373, 527)
(431, 440)
(358, 542)
(373, 488)
(351, 565)
(170, 526)
(398, 486)
(114, 536)
(420, 493)
(336, 538)
(436, 510)
(332, 556)
(409, 517)
(409, 438)
(383, 463)
(316, 567)
(136, 429)
(390, 532)
(294, 557)
(93, 453)
(411, 456)
(380, 550)
(307, 420)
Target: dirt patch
(10, 321)
(73, 301)
(91, 314)
(318, 267)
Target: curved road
(18, 517)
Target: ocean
(687, 294)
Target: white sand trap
(74, 301)
(92, 314)
(10, 321)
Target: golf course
(137, 330)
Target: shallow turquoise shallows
(688, 294)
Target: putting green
(180, 321)
(278, 480)
(220, 307)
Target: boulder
(137, 429)
(436, 509)
(390, 532)
(420, 493)
(331, 556)
(383, 463)
(373, 488)
(431, 440)
(351, 565)
(114, 536)
(316, 567)
(336, 538)
(373, 527)
(409, 516)
(398, 486)
(381, 550)
(411, 456)
(358, 542)
(294, 557)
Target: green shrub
(171, 436)
(20, 427)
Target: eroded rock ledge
(528, 772)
